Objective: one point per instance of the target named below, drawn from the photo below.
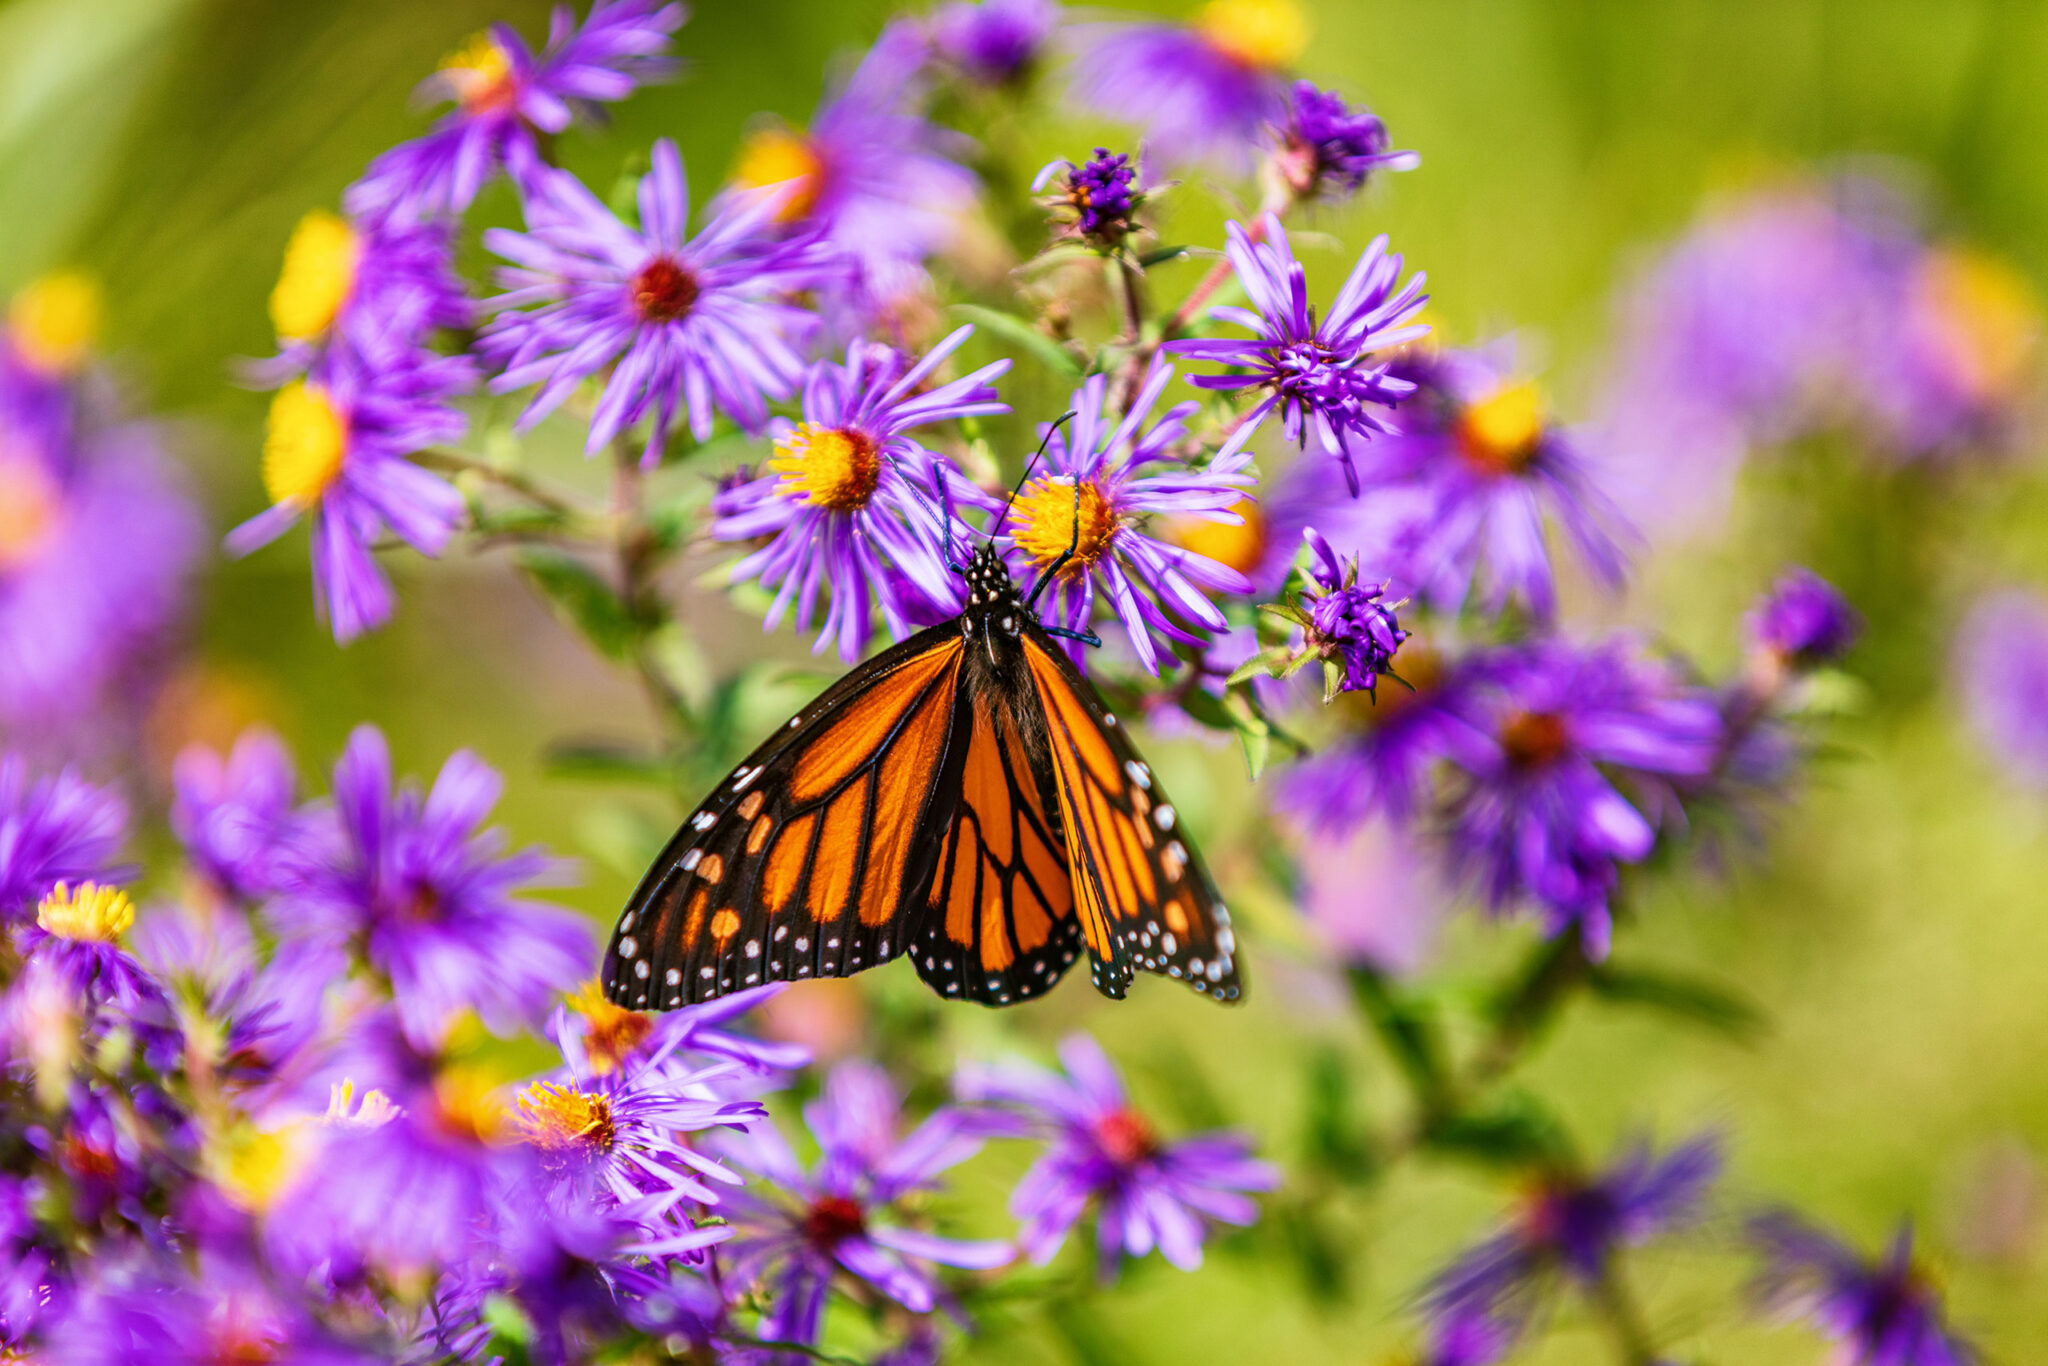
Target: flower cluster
(256, 1121)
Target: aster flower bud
(1327, 149)
(1346, 627)
(1098, 202)
(1804, 621)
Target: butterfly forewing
(999, 925)
(1144, 900)
(811, 859)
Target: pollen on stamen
(479, 74)
(778, 155)
(1500, 433)
(88, 911)
(319, 271)
(1045, 517)
(305, 446)
(828, 467)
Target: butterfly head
(994, 610)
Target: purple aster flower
(336, 450)
(52, 830)
(1470, 481)
(1322, 374)
(599, 1039)
(1327, 149)
(871, 180)
(76, 937)
(1466, 1337)
(1383, 763)
(30, 1288)
(235, 815)
(1147, 1193)
(1571, 1226)
(1349, 628)
(995, 42)
(1804, 621)
(426, 898)
(1540, 819)
(685, 323)
(1205, 91)
(223, 1308)
(617, 1142)
(1100, 195)
(97, 544)
(1095, 491)
(2002, 669)
(847, 502)
(1886, 1314)
(1963, 360)
(800, 1228)
(378, 288)
(504, 93)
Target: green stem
(1616, 1307)
(513, 481)
(638, 556)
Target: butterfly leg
(1085, 637)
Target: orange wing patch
(1001, 926)
(1145, 901)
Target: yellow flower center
(343, 1110)
(254, 1166)
(319, 270)
(1241, 546)
(776, 155)
(611, 1033)
(1500, 433)
(30, 502)
(466, 1105)
(87, 912)
(1263, 34)
(55, 319)
(1983, 318)
(305, 446)
(828, 467)
(480, 74)
(561, 1121)
(1045, 515)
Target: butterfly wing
(1143, 899)
(999, 924)
(810, 859)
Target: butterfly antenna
(1073, 544)
(1032, 463)
(943, 512)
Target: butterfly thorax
(993, 624)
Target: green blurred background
(1895, 931)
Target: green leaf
(1407, 1030)
(1159, 256)
(581, 599)
(1688, 998)
(1017, 331)
(1330, 1132)
(1517, 1131)
(601, 761)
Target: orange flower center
(829, 467)
(1534, 739)
(1125, 1137)
(1499, 434)
(832, 1220)
(664, 290)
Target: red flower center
(1534, 739)
(832, 1221)
(664, 290)
(1125, 1138)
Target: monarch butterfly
(964, 798)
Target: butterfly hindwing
(812, 857)
(999, 924)
(1143, 899)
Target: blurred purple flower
(55, 829)
(995, 42)
(1096, 477)
(426, 899)
(505, 93)
(1539, 819)
(1383, 763)
(1349, 626)
(378, 289)
(1204, 91)
(871, 180)
(697, 324)
(1466, 1337)
(1327, 149)
(1804, 621)
(97, 544)
(850, 502)
(77, 937)
(1474, 473)
(336, 450)
(1572, 1226)
(801, 1228)
(1321, 373)
(234, 817)
(2001, 667)
(30, 1288)
(1148, 1193)
(1374, 898)
(1883, 1314)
